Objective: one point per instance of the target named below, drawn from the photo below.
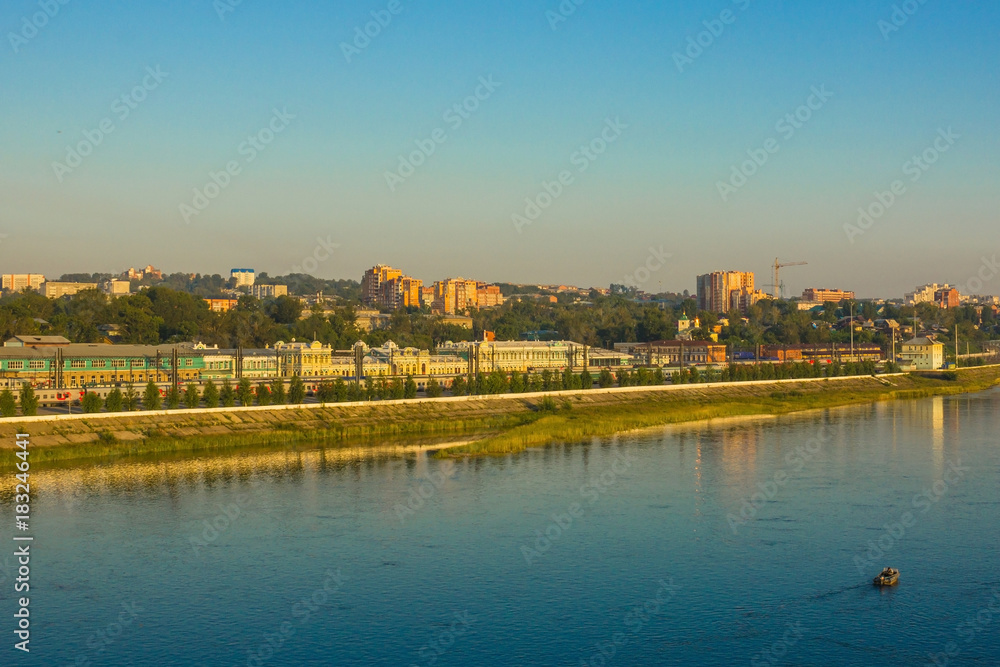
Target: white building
(924, 294)
(243, 277)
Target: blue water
(320, 564)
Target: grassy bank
(499, 425)
(564, 422)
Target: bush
(228, 395)
(605, 379)
(8, 405)
(29, 401)
(191, 396)
(547, 404)
(296, 390)
(151, 398)
(114, 402)
(433, 388)
(211, 395)
(91, 402)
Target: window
(119, 363)
(36, 363)
(76, 363)
(15, 365)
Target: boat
(888, 577)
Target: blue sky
(656, 185)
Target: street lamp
(852, 332)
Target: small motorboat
(888, 577)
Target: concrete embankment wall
(57, 430)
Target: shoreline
(477, 425)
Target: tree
(8, 405)
(227, 396)
(91, 402)
(211, 395)
(296, 390)
(605, 379)
(341, 391)
(263, 394)
(396, 389)
(284, 310)
(278, 393)
(151, 397)
(245, 392)
(410, 388)
(517, 383)
(131, 398)
(586, 381)
(173, 397)
(459, 387)
(433, 388)
(191, 396)
(114, 402)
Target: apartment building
(820, 295)
(723, 291)
(57, 290)
(18, 282)
(268, 291)
(243, 277)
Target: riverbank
(495, 425)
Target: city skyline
(650, 143)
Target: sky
(279, 136)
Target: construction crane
(778, 266)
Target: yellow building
(55, 290)
(923, 354)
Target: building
(371, 320)
(268, 291)
(53, 290)
(947, 297)
(222, 305)
(150, 272)
(675, 352)
(18, 282)
(823, 352)
(456, 295)
(400, 292)
(36, 341)
(371, 283)
(924, 294)
(304, 359)
(922, 354)
(533, 356)
(243, 277)
(458, 321)
(820, 295)
(115, 287)
(723, 291)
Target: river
(749, 542)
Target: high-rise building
(18, 282)
(371, 283)
(58, 290)
(924, 294)
(243, 277)
(723, 291)
(268, 291)
(947, 297)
